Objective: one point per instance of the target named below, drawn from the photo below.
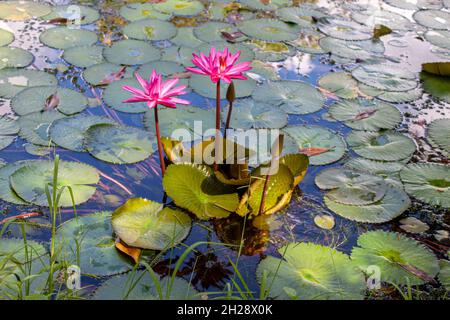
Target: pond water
(209, 268)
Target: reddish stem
(217, 142)
(160, 147)
(263, 197)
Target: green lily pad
(386, 77)
(351, 187)
(34, 99)
(344, 29)
(186, 38)
(428, 182)
(392, 205)
(212, 31)
(141, 286)
(366, 115)
(11, 57)
(8, 131)
(415, 4)
(65, 38)
(392, 20)
(30, 180)
(392, 96)
(302, 16)
(118, 144)
(413, 225)
(433, 19)
(310, 272)
(263, 71)
(181, 119)
(362, 50)
(444, 274)
(114, 96)
(246, 53)
(17, 252)
(150, 29)
(23, 10)
(341, 84)
(145, 224)
(95, 74)
(69, 132)
(6, 37)
(258, 5)
(91, 237)
(13, 81)
(139, 11)
(437, 86)
(203, 86)
(439, 38)
(6, 193)
(34, 126)
(35, 150)
(180, 7)
(308, 41)
(247, 114)
(196, 189)
(395, 254)
(165, 68)
(331, 144)
(78, 14)
(294, 97)
(382, 168)
(439, 133)
(84, 56)
(268, 30)
(131, 52)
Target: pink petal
(134, 90)
(141, 81)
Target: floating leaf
(8, 131)
(131, 52)
(268, 30)
(415, 4)
(118, 144)
(382, 168)
(372, 18)
(132, 252)
(6, 193)
(308, 41)
(34, 126)
(393, 253)
(324, 222)
(437, 68)
(13, 81)
(146, 224)
(341, 84)
(186, 38)
(30, 181)
(212, 31)
(150, 29)
(438, 87)
(439, 38)
(64, 38)
(114, 96)
(428, 182)
(6, 37)
(344, 29)
(386, 77)
(413, 225)
(305, 17)
(439, 133)
(106, 73)
(74, 15)
(84, 56)
(381, 31)
(391, 96)
(433, 19)
(386, 146)
(11, 57)
(310, 272)
(355, 50)
(203, 86)
(180, 7)
(195, 188)
(139, 11)
(23, 10)
(298, 164)
(47, 98)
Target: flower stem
(230, 110)
(217, 140)
(160, 147)
(263, 197)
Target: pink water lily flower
(220, 65)
(155, 92)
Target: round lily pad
(248, 114)
(362, 50)
(345, 29)
(118, 144)
(391, 96)
(439, 38)
(428, 182)
(382, 168)
(196, 189)
(308, 41)
(84, 56)
(415, 4)
(6, 192)
(131, 52)
(386, 77)
(302, 16)
(439, 133)
(96, 74)
(341, 84)
(141, 286)
(203, 86)
(13, 81)
(64, 38)
(413, 225)
(8, 131)
(11, 57)
(35, 99)
(165, 68)
(323, 145)
(6, 37)
(76, 13)
(351, 187)
(91, 237)
(145, 224)
(258, 5)
(34, 126)
(114, 96)
(150, 29)
(139, 11)
(294, 97)
(392, 20)
(180, 7)
(392, 205)
(29, 182)
(186, 38)
(386, 146)
(309, 272)
(366, 115)
(268, 30)
(433, 19)
(212, 31)
(438, 87)
(69, 132)
(182, 120)
(399, 258)
(23, 10)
